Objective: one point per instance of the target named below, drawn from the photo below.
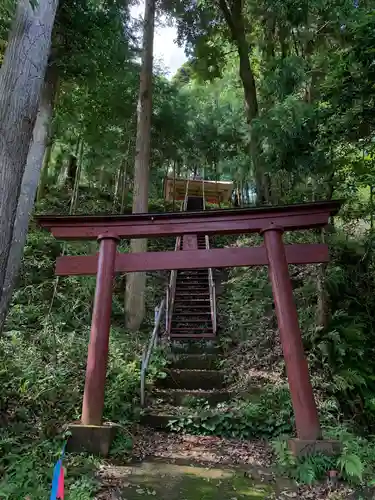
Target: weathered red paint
(304, 216)
(292, 217)
(79, 265)
(97, 357)
(305, 411)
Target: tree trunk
(44, 173)
(136, 282)
(323, 306)
(118, 183)
(29, 187)
(124, 188)
(74, 200)
(71, 171)
(174, 185)
(21, 80)
(235, 22)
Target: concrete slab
(91, 439)
(303, 447)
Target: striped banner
(57, 492)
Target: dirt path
(183, 467)
(180, 482)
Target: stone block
(303, 447)
(93, 439)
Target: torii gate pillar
(96, 368)
(305, 411)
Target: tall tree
(136, 282)
(208, 27)
(29, 187)
(21, 79)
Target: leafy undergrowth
(42, 368)
(40, 395)
(265, 415)
(254, 458)
(339, 354)
(355, 465)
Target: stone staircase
(192, 311)
(194, 373)
(194, 356)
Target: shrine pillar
(305, 411)
(97, 357)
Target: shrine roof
(177, 188)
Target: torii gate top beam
(224, 221)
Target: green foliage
(312, 468)
(42, 359)
(305, 470)
(268, 416)
(314, 71)
(340, 354)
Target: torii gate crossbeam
(271, 222)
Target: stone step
(192, 301)
(182, 307)
(179, 318)
(193, 275)
(193, 314)
(188, 335)
(184, 287)
(179, 326)
(183, 280)
(192, 329)
(192, 379)
(192, 282)
(195, 362)
(189, 346)
(183, 397)
(199, 295)
(157, 421)
(159, 418)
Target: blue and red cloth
(57, 492)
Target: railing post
(211, 290)
(97, 357)
(156, 314)
(146, 356)
(143, 394)
(167, 312)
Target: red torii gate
(271, 222)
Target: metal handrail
(172, 280)
(211, 284)
(146, 356)
(210, 275)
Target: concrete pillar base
(304, 447)
(93, 439)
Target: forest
(276, 97)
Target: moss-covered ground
(180, 482)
